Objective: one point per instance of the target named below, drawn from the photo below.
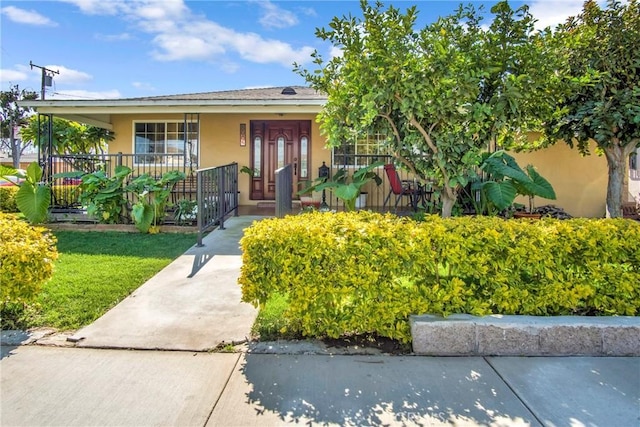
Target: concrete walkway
(194, 304)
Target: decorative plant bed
(127, 228)
(496, 335)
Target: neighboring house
(268, 128)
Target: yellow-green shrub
(26, 258)
(363, 272)
(8, 199)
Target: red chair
(400, 188)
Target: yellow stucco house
(267, 128)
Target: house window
(165, 143)
(362, 151)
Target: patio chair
(400, 188)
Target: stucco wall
(580, 182)
(220, 140)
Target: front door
(274, 144)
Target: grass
(97, 270)
(270, 324)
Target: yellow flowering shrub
(363, 272)
(26, 258)
(8, 199)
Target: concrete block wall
(498, 335)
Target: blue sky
(126, 48)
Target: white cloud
(29, 17)
(12, 77)
(98, 7)
(274, 16)
(550, 13)
(67, 75)
(335, 51)
(114, 37)
(180, 34)
(143, 86)
(84, 94)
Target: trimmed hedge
(8, 199)
(26, 259)
(364, 272)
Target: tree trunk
(616, 155)
(15, 150)
(447, 204)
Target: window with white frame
(164, 142)
(361, 151)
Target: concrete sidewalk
(194, 305)
(48, 386)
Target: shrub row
(64, 194)
(26, 259)
(364, 272)
(8, 199)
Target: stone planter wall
(466, 335)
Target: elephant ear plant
(103, 195)
(506, 180)
(34, 196)
(152, 197)
(344, 188)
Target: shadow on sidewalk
(380, 390)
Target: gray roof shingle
(255, 94)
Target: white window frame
(372, 144)
(166, 123)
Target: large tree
(444, 93)
(603, 88)
(12, 117)
(67, 137)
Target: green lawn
(96, 270)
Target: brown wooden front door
(274, 144)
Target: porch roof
(98, 112)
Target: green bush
(362, 272)
(8, 199)
(26, 259)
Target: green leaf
(33, 201)
(501, 193)
(142, 215)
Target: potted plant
(348, 188)
(507, 180)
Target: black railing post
(200, 205)
(222, 196)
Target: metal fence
(64, 190)
(217, 195)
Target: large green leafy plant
(104, 195)
(506, 180)
(152, 197)
(347, 188)
(34, 196)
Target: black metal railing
(217, 196)
(64, 192)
